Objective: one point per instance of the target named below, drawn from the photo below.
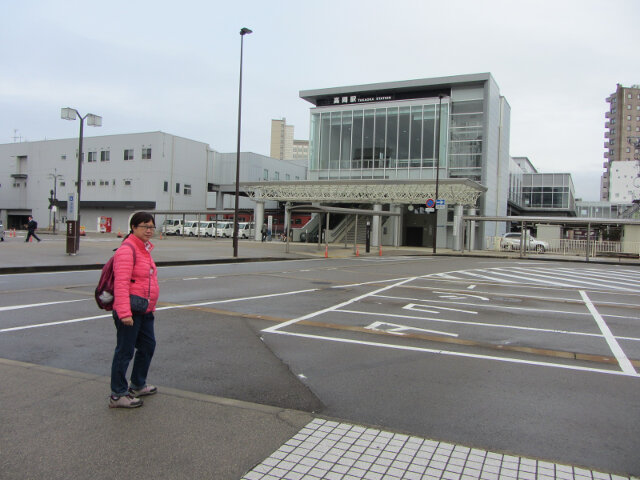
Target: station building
(395, 146)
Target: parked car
(246, 230)
(225, 229)
(172, 227)
(1, 231)
(512, 241)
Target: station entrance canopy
(453, 191)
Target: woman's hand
(128, 321)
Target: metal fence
(569, 247)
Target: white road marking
(455, 354)
(483, 324)
(416, 306)
(471, 287)
(623, 361)
(17, 307)
(456, 296)
(334, 307)
(368, 283)
(399, 329)
(50, 324)
(170, 307)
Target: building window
(92, 157)
(177, 188)
(187, 189)
(63, 157)
(276, 175)
(265, 175)
(91, 183)
(287, 177)
(127, 181)
(104, 155)
(166, 187)
(128, 154)
(63, 183)
(146, 153)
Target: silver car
(511, 241)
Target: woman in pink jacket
(135, 280)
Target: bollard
(326, 251)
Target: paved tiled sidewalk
(340, 451)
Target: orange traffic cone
(326, 251)
(380, 254)
(357, 251)
(119, 234)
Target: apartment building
(622, 134)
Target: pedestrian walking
(264, 232)
(31, 229)
(135, 296)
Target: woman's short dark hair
(140, 217)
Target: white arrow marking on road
(416, 307)
(460, 296)
(398, 329)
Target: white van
(225, 229)
(208, 229)
(246, 230)
(172, 227)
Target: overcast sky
(173, 65)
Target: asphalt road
(534, 358)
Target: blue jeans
(139, 337)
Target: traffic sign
(430, 203)
(440, 203)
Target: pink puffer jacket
(140, 279)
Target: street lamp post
(435, 231)
(93, 121)
(244, 31)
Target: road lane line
(334, 307)
(17, 307)
(454, 354)
(84, 319)
(50, 324)
(623, 361)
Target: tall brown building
(622, 132)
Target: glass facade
(543, 191)
(465, 153)
(395, 141)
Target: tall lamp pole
(435, 230)
(93, 121)
(244, 31)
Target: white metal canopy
(453, 191)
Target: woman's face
(144, 231)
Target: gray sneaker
(124, 401)
(144, 391)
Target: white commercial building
(122, 174)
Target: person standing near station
(31, 229)
(264, 231)
(135, 295)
